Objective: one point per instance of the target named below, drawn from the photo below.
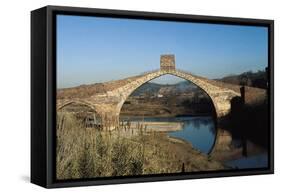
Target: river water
(201, 133)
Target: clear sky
(94, 49)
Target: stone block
(167, 62)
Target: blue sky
(93, 49)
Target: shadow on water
(248, 123)
(256, 161)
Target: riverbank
(171, 153)
(157, 126)
(125, 117)
(89, 152)
(236, 152)
(166, 154)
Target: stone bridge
(108, 104)
(108, 101)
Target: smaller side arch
(90, 117)
(64, 104)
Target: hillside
(252, 79)
(183, 98)
(153, 89)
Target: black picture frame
(43, 93)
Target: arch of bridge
(65, 103)
(220, 97)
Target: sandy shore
(157, 126)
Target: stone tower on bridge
(167, 62)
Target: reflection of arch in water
(178, 74)
(204, 127)
(206, 122)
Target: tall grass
(88, 152)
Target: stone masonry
(167, 62)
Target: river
(201, 133)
